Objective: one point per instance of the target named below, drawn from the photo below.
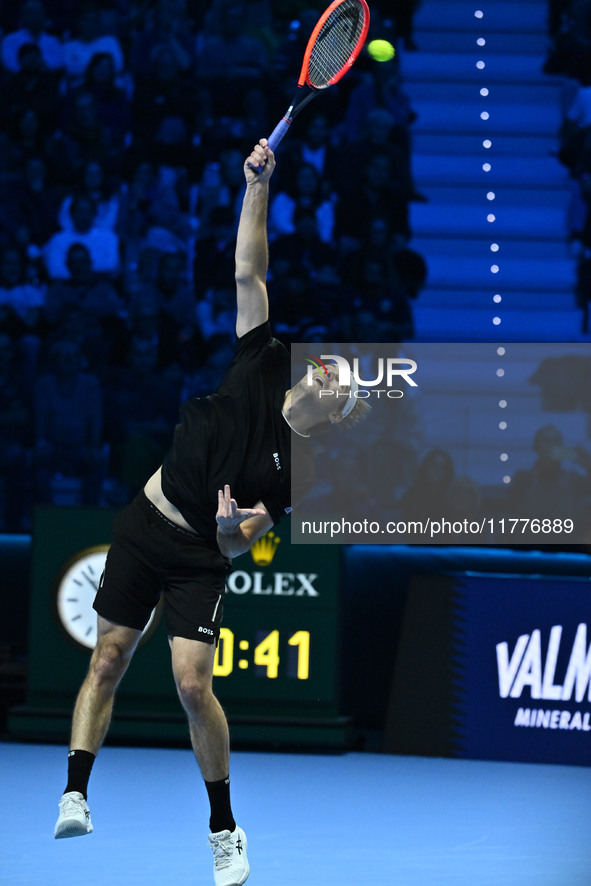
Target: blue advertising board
(494, 667)
(521, 668)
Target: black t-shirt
(238, 436)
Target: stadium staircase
(494, 229)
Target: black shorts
(149, 556)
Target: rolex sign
(274, 569)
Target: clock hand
(90, 581)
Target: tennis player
(181, 532)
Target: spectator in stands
(178, 158)
(380, 86)
(383, 277)
(549, 489)
(304, 247)
(216, 314)
(557, 11)
(314, 147)
(306, 293)
(222, 185)
(172, 301)
(29, 206)
(308, 191)
(137, 193)
(376, 194)
(217, 351)
(16, 435)
(232, 64)
(258, 14)
(82, 138)
(113, 108)
(377, 288)
(89, 310)
(32, 30)
(563, 382)
(575, 134)
(570, 40)
(101, 190)
(411, 270)
(69, 424)
(168, 230)
(382, 135)
(33, 87)
(10, 157)
(403, 12)
(378, 244)
(164, 99)
(21, 310)
(29, 139)
(429, 488)
(87, 42)
(290, 50)
(162, 24)
(138, 426)
(298, 314)
(214, 261)
(378, 120)
(102, 244)
(22, 298)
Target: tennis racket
(334, 44)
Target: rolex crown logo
(263, 550)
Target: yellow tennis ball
(381, 50)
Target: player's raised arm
(252, 253)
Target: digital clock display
(274, 657)
(265, 658)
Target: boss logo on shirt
(277, 462)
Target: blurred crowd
(124, 128)
(569, 57)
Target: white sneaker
(74, 818)
(230, 864)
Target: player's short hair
(359, 412)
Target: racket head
(335, 43)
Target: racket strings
(335, 43)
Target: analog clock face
(75, 595)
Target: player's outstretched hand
(229, 515)
(261, 155)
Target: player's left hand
(229, 515)
(261, 155)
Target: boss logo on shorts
(277, 462)
(207, 631)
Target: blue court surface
(350, 820)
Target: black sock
(79, 769)
(221, 810)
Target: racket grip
(280, 130)
(276, 136)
